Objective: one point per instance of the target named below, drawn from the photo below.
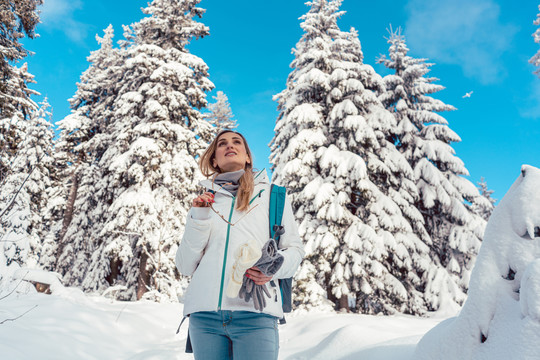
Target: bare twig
(18, 317)
(120, 313)
(11, 241)
(19, 283)
(19, 190)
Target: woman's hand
(203, 200)
(257, 276)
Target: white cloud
(463, 32)
(60, 15)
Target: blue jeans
(238, 335)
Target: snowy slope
(75, 326)
(352, 336)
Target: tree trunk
(115, 270)
(329, 294)
(144, 276)
(344, 303)
(68, 215)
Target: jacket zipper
(227, 248)
(225, 255)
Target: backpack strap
(277, 204)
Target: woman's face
(231, 154)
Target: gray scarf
(229, 181)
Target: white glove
(245, 257)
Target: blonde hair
(246, 182)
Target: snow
(71, 325)
(500, 319)
(37, 275)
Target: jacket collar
(259, 177)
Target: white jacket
(209, 244)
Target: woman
(226, 231)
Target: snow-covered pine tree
(424, 138)
(535, 60)
(484, 205)
(24, 193)
(387, 206)
(17, 19)
(79, 199)
(299, 132)
(349, 186)
(14, 200)
(220, 115)
(15, 109)
(157, 132)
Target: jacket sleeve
(290, 244)
(194, 241)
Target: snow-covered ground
(76, 326)
(500, 319)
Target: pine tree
(17, 109)
(18, 226)
(350, 187)
(14, 200)
(17, 18)
(484, 205)
(300, 132)
(424, 138)
(220, 115)
(82, 142)
(17, 215)
(156, 131)
(24, 193)
(535, 60)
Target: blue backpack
(277, 204)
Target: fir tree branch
(126, 233)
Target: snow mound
(340, 341)
(351, 336)
(530, 291)
(39, 276)
(501, 317)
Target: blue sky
(481, 46)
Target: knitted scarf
(229, 180)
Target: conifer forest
(389, 217)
